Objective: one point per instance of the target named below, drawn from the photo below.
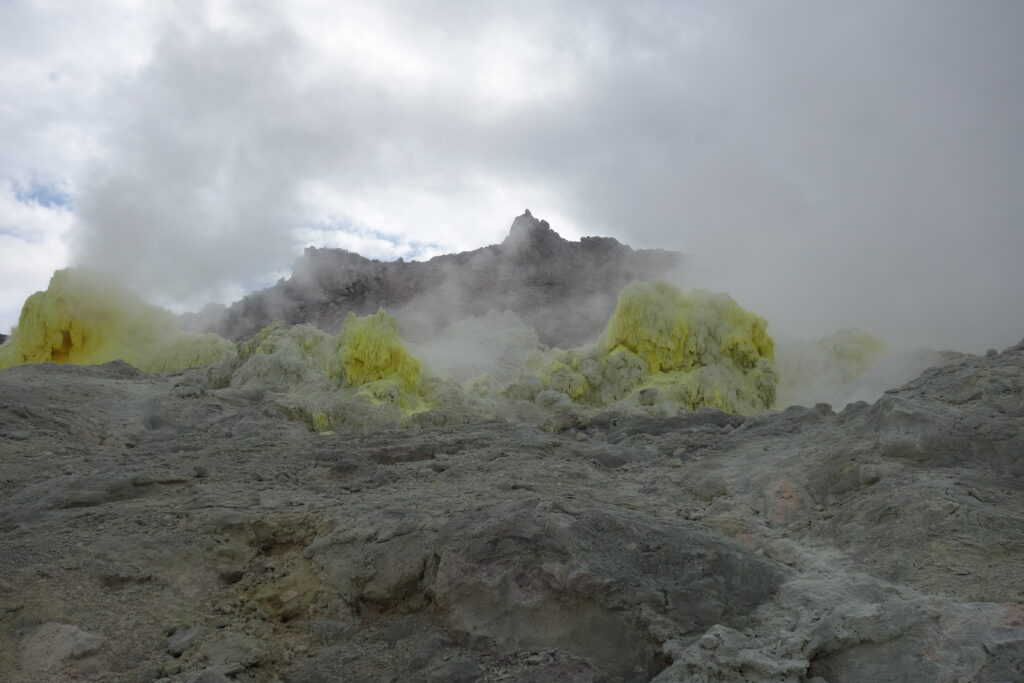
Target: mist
(830, 165)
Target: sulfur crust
(697, 349)
(370, 350)
(84, 318)
(363, 378)
(672, 331)
(662, 350)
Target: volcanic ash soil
(154, 528)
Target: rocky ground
(152, 528)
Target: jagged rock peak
(564, 289)
(529, 231)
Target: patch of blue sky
(400, 246)
(45, 195)
(29, 236)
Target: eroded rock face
(542, 575)
(565, 290)
(154, 527)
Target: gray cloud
(196, 188)
(830, 164)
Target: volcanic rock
(882, 542)
(565, 290)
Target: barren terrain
(155, 528)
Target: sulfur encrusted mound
(86, 319)
(700, 348)
(362, 378)
(370, 350)
(662, 351)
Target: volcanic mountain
(565, 290)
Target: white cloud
(32, 245)
(831, 163)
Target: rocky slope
(565, 290)
(155, 528)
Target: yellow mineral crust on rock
(362, 378)
(370, 350)
(85, 318)
(662, 350)
(651, 321)
(699, 348)
(671, 330)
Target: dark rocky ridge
(565, 290)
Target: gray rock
(573, 671)
(565, 290)
(233, 653)
(426, 650)
(181, 640)
(46, 649)
(209, 676)
(510, 576)
(84, 644)
(397, 571)
(456, 671)
(711, 487)
(611, 456)
(880, 543)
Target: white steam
(830, 164)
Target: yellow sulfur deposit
(85, 318)
(564, 378)
(662, 349)
(371, 356)
(362, 378)
(670, 330)
(651, 321)
(700, 348)
(370, 350)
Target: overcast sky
(830, 164)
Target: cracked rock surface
(152, 529)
